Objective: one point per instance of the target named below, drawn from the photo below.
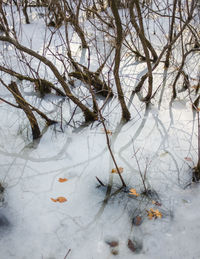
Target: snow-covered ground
(92, 216)
(96, 221)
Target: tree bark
(89, 115)
(119, 38)
(144, 45)
(22, 103)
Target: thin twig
(67, 253)
(101, 183)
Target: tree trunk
(119, 38)
(22, 103)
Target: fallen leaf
(188, 159)
(54, 200)
(150, 214)
(131, 245)
(133, 192)
(112, 243)
(154, 214)
(158, 214)
(137, 220)
(114, 171)
(156, 203)
(59, 199)
(109, 132)
(62, 180)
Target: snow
(44, 229)
(159, 137)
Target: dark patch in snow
(4, 224)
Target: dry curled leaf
(62, 180)
(114, 171)
(132, 191)
(59, 199)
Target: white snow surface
(164, 139)
(40, 228)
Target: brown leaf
(62, 180)
(59, 199)
(137, 221)
(131, 246)
(156, 203)
(54, 200)
(113, 243)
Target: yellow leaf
(150, 215)
(158, 214)
(154, 214)
(114, 171)
(62, 180)
(133, 192)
